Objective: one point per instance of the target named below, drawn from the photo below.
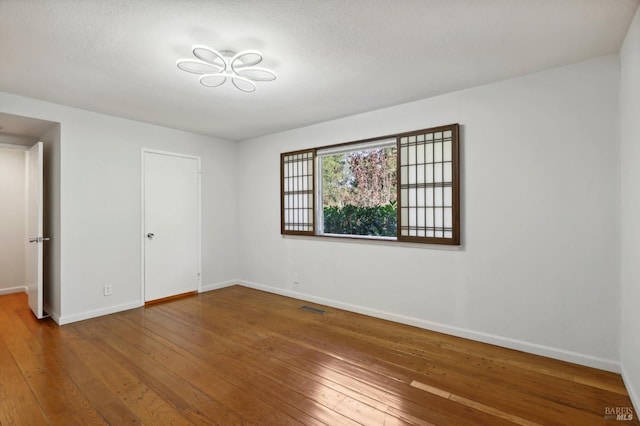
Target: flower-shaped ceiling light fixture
(215, 67)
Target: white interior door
(34, 229)
(171, 225)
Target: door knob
(150, 236)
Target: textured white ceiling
(333, 57)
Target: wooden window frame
(283, 224)
(455, 186)
(454, 240)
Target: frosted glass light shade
(216, 67)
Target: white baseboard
(11, 290)
(54, 315)
(216, 286)
(520, 345)
(633, 394)
(97, 313)
(61, 320)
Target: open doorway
(24, 199)
(13, 218)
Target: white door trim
(142, 215)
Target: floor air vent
(312, 309)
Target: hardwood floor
(240, 356)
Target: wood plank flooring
(239, 356)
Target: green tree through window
(359, 192)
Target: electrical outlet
(296, 278)
(108, 290)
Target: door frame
(144, 151)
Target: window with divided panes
(428, 185)
(425, 207)
(297, 196)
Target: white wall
(538, 269)
(100, 226)
(12, 220)
(630, 166)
